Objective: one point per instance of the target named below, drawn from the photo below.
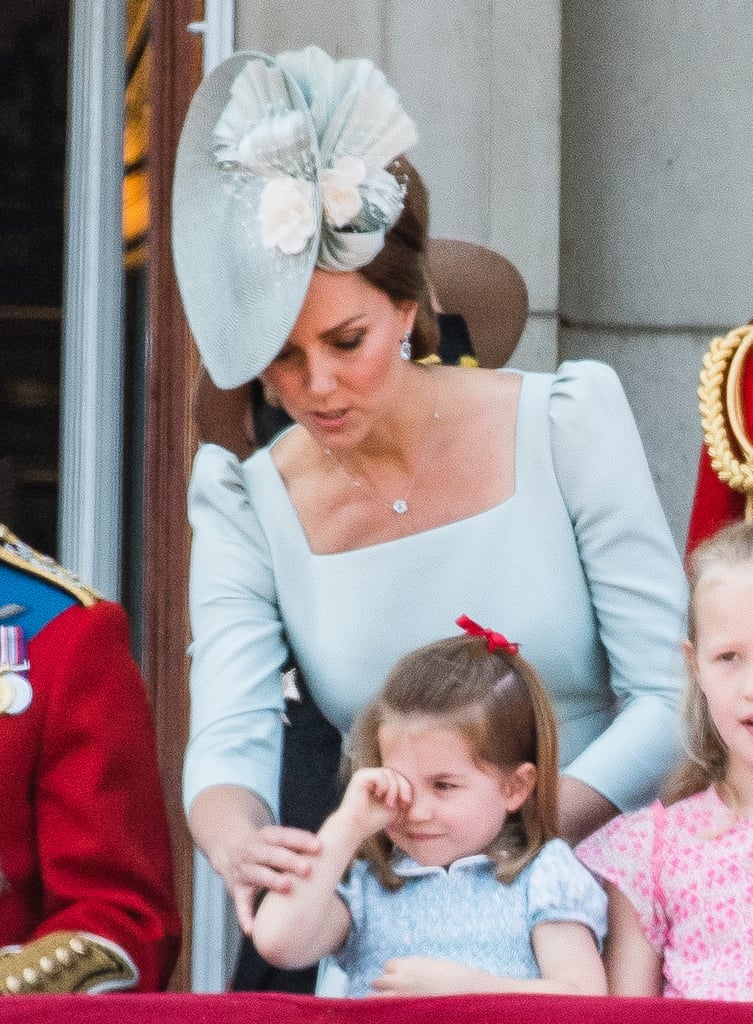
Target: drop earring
(405, 347)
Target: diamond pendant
(400, 505)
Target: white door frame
(216, 935)
(92, 365)
(91, 424)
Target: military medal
(15, 688)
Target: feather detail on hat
(360, 128)
(370, 123)
(357, 115)
(257, 131)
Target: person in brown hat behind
(405, 490)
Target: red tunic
(715, 504)
(84, 843)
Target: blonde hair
(706, 754)
(498, 703)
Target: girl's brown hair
(399, 269)
(498, 703)
(707, 758)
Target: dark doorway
(33, 88)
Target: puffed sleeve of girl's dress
(237, 649)
(560, 889)
(635, 575)
(103, 844)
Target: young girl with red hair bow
(454, 880)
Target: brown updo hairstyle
(399, 270)
(497, 702)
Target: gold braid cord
(721, 417)
(18, 554)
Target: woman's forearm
(582, 809)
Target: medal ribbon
(15, 690)
(12, 650)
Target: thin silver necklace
(399, 505)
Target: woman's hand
(232, 827)
(266, 858)
(373, 799)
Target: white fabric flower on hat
(341, 198)
(286, 214)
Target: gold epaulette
(14, 552)
(722, 414)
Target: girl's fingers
(390, 788)
(383, 786)
(405, 793)
(399, 788)
(380, 784)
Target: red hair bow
(494, 641)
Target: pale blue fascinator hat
(282, 166)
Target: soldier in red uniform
(86, 888)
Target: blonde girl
(456, 882)
(679, 876)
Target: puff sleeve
(561, 889)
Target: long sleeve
(635, 578)
(238, 648)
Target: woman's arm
(238, 647)
(582, 810)
(635, 578)
(566, 953)
(234, 830)
(634, 968)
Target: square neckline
(265, 458)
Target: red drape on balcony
(274, 1008)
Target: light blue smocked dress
(464, 915)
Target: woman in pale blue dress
(405, 492)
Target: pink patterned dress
(688, 871)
